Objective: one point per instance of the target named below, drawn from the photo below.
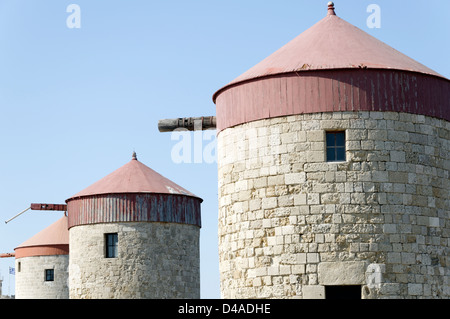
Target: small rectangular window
(335, 146)
(49, 274)
(111, 242)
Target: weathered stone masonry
(30, 277)
(155, 260)
(291, 223)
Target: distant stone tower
(42, 264)
(333, 162)
(134, 234)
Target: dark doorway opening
(343, 292)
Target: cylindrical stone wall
(155, 260)
(30, 277)
(292, 224)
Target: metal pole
(17, 215)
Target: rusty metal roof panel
(112, 208)
(334, 91)
(332, 43)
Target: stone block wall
(155, 260)
(291, 223)
(30, 277)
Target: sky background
(75, 103)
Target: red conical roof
(332, 43)
(53, 240)
(332, 67)
(133, 177)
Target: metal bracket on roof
(54, 207)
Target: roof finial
(331, 9)
(134, 157)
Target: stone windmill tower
(42, 264)
(333, 162)
(134, 234)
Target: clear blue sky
(75, 103)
